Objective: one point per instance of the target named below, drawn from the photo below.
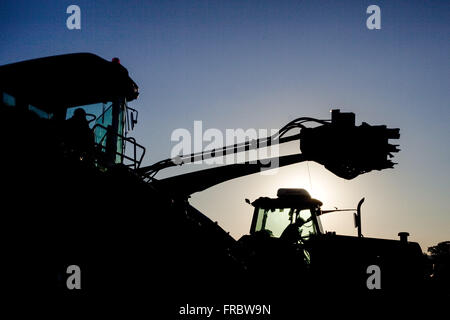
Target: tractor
(291, 223)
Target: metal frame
(136, 163)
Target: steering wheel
(93, 117)
(294, 233)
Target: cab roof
(288, 198)
(63, 81)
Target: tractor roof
(68, 80)
(288, 198)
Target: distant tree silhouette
(440, 257)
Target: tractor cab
(293, 215)
(52, 89)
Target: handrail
(135, 162)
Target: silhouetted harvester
(92, 204)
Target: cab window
(101, 111)
(8, 100)
(275, 221)
(41, 113)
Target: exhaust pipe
(403, 237)
(358, 218)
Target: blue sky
(259, 64)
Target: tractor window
(42, 114)
(99, 110)
(105, 120)
(308, 228)
(276, 220)
(103, 117)
(8, 100)
(120, 145)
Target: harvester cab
(75, 86)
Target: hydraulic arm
(343, 148)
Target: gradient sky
(260, 64)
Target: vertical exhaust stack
(403, 237)
(357, 218)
